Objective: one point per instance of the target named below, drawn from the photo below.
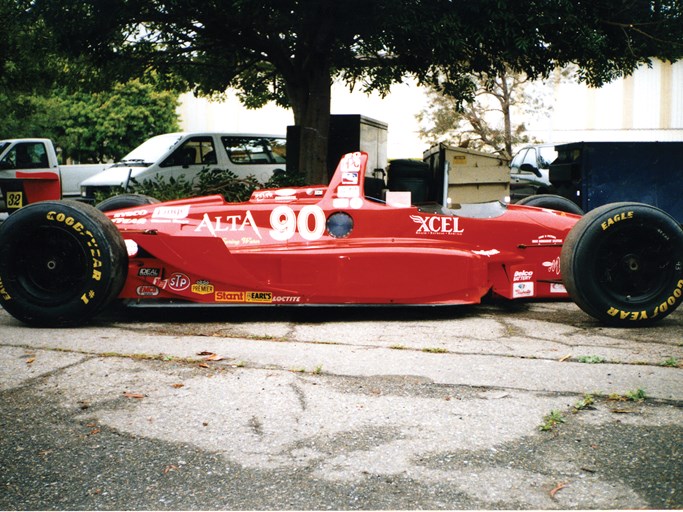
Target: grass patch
(551, 421)
(591, 359)
(585, 403)
(435, 350)
(671, 362)
(637, 395)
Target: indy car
(63, 262)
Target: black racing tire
(552, 202)
(622, 263)
(125, 201)
(61, 263)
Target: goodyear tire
(623, 264)
(552, 202)
(124, 201)
(61, 263)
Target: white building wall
(646, 106)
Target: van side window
(194, 151)
(26, 155)
(249, 151)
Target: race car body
(331, 245)
(61, 263)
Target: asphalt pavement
(503, 405)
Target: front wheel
(61, 263)
(622, 263)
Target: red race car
(62, 262)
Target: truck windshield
(152, 149)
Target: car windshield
(152, 149)
(546, 157)
(3, 145)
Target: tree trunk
(310, 100)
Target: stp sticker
(178, 282)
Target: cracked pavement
(342, 408)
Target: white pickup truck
(30, 172)
(172, 155)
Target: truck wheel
(552, 202)
(61, 263)
(622, 263)
(124, 201)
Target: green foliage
(637, 395)
(551, 421)
(290, 52)
(209, 181)
(286, 178)
(585, 403)
(96, 127)
(487, 122)
(671, 362)
(164, 190)
(226, 183)
(591, 359)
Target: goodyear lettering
(223, 296)
(3, 292)
(88, 296)
(228, 223)
(670, 301)
(264, 297)
(616, 218)
(78, 227)
(68, 221)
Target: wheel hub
(631, 263)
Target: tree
(488, 122)
(98, 127)
(291, 50)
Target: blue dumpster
(595, 173)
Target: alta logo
(230, 223)
(437, 225)
(523, 275)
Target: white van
(185, 154)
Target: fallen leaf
(205, 353)
(564, 358)
(31, 360)
(203, 365)
(95, 431)
(557, 488)
(623, 411)
(178, 385)
(170, 467)
(129, 394)
(213, 357)
(91, 425)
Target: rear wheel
(124, 201)
(623, 264)
(552, 202)
(61, 263)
